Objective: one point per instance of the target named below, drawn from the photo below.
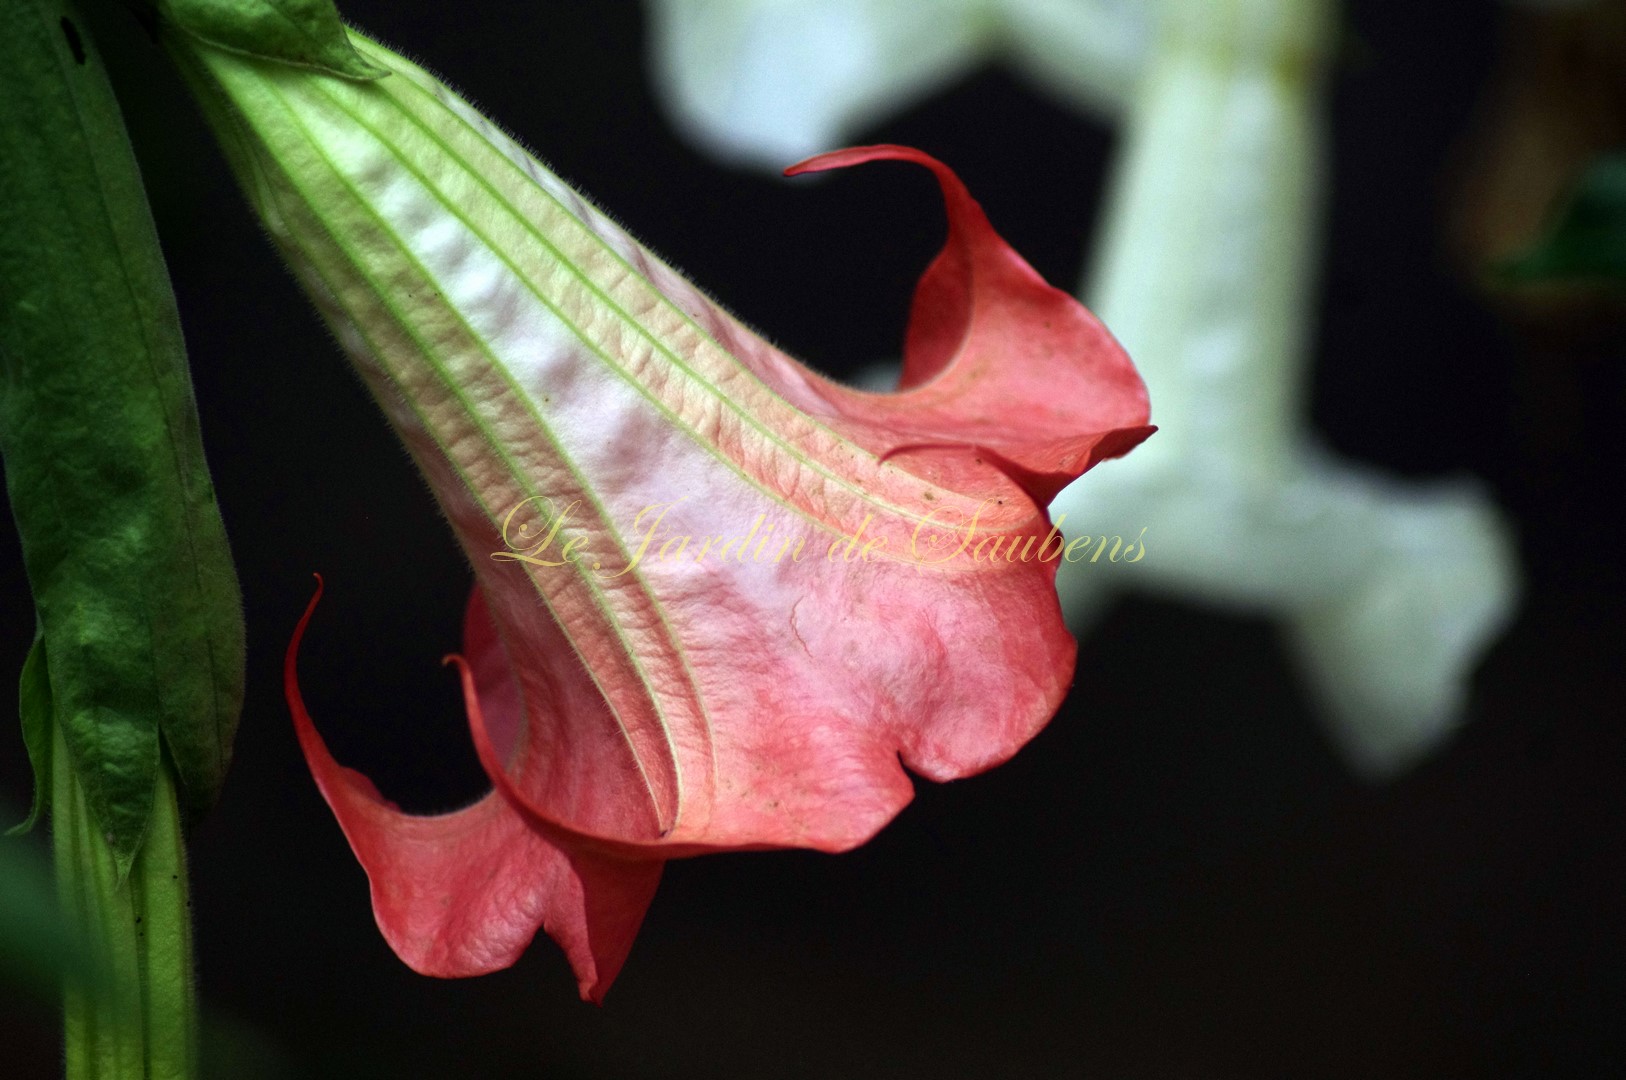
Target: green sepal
(133, 585)
(34, 708)
(1588, 241)
(305, 33)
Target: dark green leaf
(306, 33)
(125, 551)
(1588, 241)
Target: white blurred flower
(1388, 592)
(768, 82)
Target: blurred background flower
(1180, 877)
(766, 82)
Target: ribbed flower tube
(721, 602)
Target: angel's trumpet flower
(721, 600)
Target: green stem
(136, 1017)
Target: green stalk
(136, 1014)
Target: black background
(1177, 879)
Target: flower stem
(135, 1014)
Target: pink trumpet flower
(722, 602)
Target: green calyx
(304, 33)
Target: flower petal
(996, 358)
(464, 893)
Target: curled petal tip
(857, 155)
